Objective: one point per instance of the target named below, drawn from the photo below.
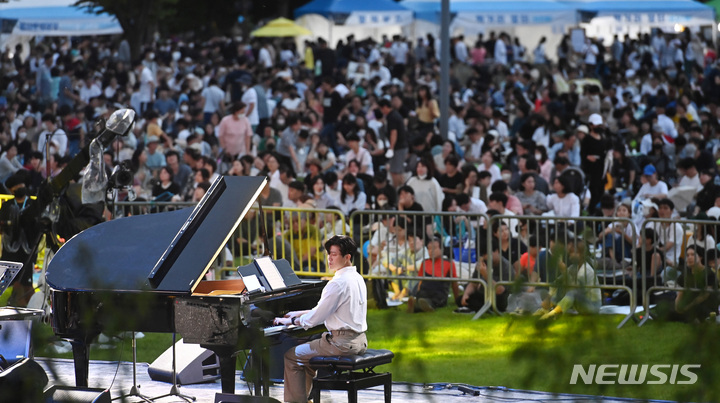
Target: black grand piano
(145, 273)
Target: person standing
(235, 133)
(343, 310)
(397, 135)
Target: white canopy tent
(606, 18)
(527, 20)
(337, 19)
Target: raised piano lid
(164, 252)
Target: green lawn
(520, 353)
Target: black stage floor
(118, 378)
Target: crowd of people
(629, 128)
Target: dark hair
(204, 173)
(486, 174)
(237, 106)
(211, 162)
(499, 197)
(666, 202)
(346, 245)
(313, 181)
(330, 177)
(430, 164)
(351, 179)
(565, 183)
(525, 177)
(462, 198)
(453, 160)
(561, 160)
(649, 233)
(171, 153)
(406, 189)
(531, 163)
(384, 103)
(169, 171)
(499, 187)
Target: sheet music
(270, 272)
(252, 283)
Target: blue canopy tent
(354, 12)
(608, 18)
(54, 18)
(496, 12)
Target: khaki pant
(299, 375)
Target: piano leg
(227, 369)
(81, 356)
(259, 357)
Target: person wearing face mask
(15, 245)
(235, 133)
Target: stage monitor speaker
(15, 340)
(23, 382)
(71, 394)
(230, 398)
(194, 365)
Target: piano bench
(352, 373)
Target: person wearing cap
(361, 154)
(432, 294)
(593, 150)
(653, 187)
(155, 158)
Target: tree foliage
(138, 19)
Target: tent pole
(444, 68)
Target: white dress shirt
(342, 305)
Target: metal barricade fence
(394, 245)
(678, 256)
(294, 234)
(616, 248)
(533, 253)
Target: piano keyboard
(273, 330)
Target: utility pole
(444, 68)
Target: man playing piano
(343, 310)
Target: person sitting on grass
(432, 294)
(575, 288)
(473, 298)
(696, 300)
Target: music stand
(174, 390)
(135, 389)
